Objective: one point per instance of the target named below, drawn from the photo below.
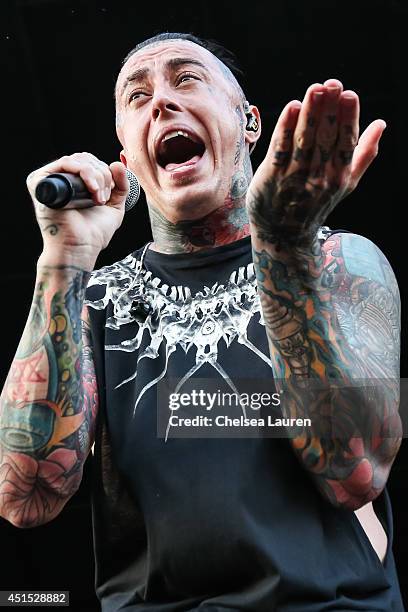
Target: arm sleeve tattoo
(49, 402)
(332, 316)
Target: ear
(251, 135)
(123, 158)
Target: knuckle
(301, 141)
(83, 156)
(320, 181)
(89, 168)
(326, 138)
(350, 141)
(107, 175)
(30, 180)
(97, 163)
(281, 144)
(33, 179)
(100, 176)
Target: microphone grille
(134, 190)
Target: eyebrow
(175, 62)
(141, 73)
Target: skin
(49, 403)
(315, 159)
(314, 298)
(207, 208)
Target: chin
(189, 202)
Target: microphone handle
(63, 190)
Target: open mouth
(179, 148)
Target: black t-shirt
(208, 523)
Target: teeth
(174, 134)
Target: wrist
(289, 241)
(80, 258)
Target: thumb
(366, 150)
(121, 188)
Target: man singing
(242, 280)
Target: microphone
(65, 190)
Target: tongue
(189, 162)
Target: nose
(163, 104)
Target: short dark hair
(225, 56)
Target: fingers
(106, 184)
(280, 148)
(320, 136)
(313, 161)
(95, 173)
(366, 150)
(120, 182)
(327, 128)
(305, 132)
(348, 131)
(96, 176)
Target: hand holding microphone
(90, 198)
(65, 190)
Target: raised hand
(315, 158)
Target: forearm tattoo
(332, 314)
(49, 402)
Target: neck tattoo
(226, 224)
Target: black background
(59, 64)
